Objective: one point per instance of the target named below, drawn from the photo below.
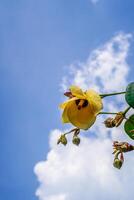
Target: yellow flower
(81, 110)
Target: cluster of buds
(118, 149)
(114, 122)
(76, 140)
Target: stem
(77, 130)
(113, 113)
(125, 111)
(117, 154)
(111, 94)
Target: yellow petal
(63, 105)
(65, 116)
(77, 92)
(95, 101)
(83, 118)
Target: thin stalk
(125, 111)
(117, 154)
(73, 130)
(111, 94)
(113, 113)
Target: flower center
(81, 103)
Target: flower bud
(117, 163)
(76, 140)
(68, 94)
(118, 119)
(62, 140)
(109, 123)
(122, 147)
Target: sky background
(39, 41)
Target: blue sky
(38, 40)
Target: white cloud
(86, 172)
(106, 68)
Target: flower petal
(63, 105)
(95, 101)
(77, 92)
(83, 118)
(65, 115)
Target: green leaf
(129, 96)
(129, 127)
